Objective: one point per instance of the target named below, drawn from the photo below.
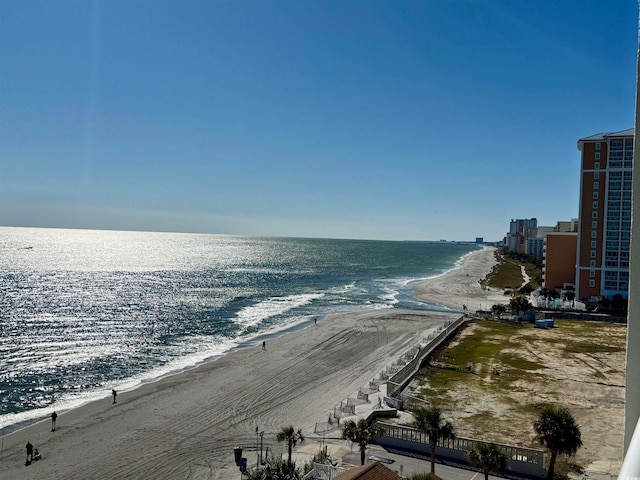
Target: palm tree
(488, 458)
(361, 433)
(429, 421)
(291, 436)
(520, 304)
(498, 309)
(557, 430)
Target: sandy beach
(462, 286)
(185, 426)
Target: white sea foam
(254, 314)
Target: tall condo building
(519, 231)
(602, 263)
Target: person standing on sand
(264, 345)
(54, 415)
(29, 453)
(114, 393)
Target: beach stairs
(374, 394)
(371, 398)
(370, 401)
(366, 403)
(324, 472)
(367, 399)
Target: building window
(596, 185)
(594, 224)
(595, 194)
(592, 263)
(593, 243)
(594, 234)
(592, 283)
(597, 145)
(597, 155)
(593, 254)
(592, 273)
(595, 204)
(594, 215)
(596, 165)
(596, 175)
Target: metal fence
(521, 461)
(521, 454)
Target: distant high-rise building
(605, 214)
(535, 241)
(519, 231)
(570, 226)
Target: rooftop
(371, 471)
(629, 132)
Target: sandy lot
(579, 365)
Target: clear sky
(421, 120)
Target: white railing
(323, 472)
(513, 453)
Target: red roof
(371, 471)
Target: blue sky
(419, 120)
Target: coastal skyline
(358, 119)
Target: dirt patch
(518, 368)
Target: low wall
(586, 316)
(520, 461)
(399, 380)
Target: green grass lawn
(508, 274)
(496, 344)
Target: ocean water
(85, 311)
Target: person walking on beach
(54, 415)
(29, 453)
(264, 345)
(114, 393)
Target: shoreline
(461, 286)
(30, 417)
(186, 424)
(135, 382)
